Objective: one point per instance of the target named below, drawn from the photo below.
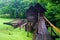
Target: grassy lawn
(9, 33)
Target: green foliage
(53, 10)
(17, 9)
(9, 33)
(55, 1)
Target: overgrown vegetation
(9, 33)
(53, 10)
(17, 9)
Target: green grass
(9, 33)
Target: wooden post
(42, 30)
(27, 30)
(35, 32)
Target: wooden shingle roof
(39, 8)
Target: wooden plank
(42, 30)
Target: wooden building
(40, 9)
(42, 29)
(32, 13)
(32, 17)
(36, 23)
